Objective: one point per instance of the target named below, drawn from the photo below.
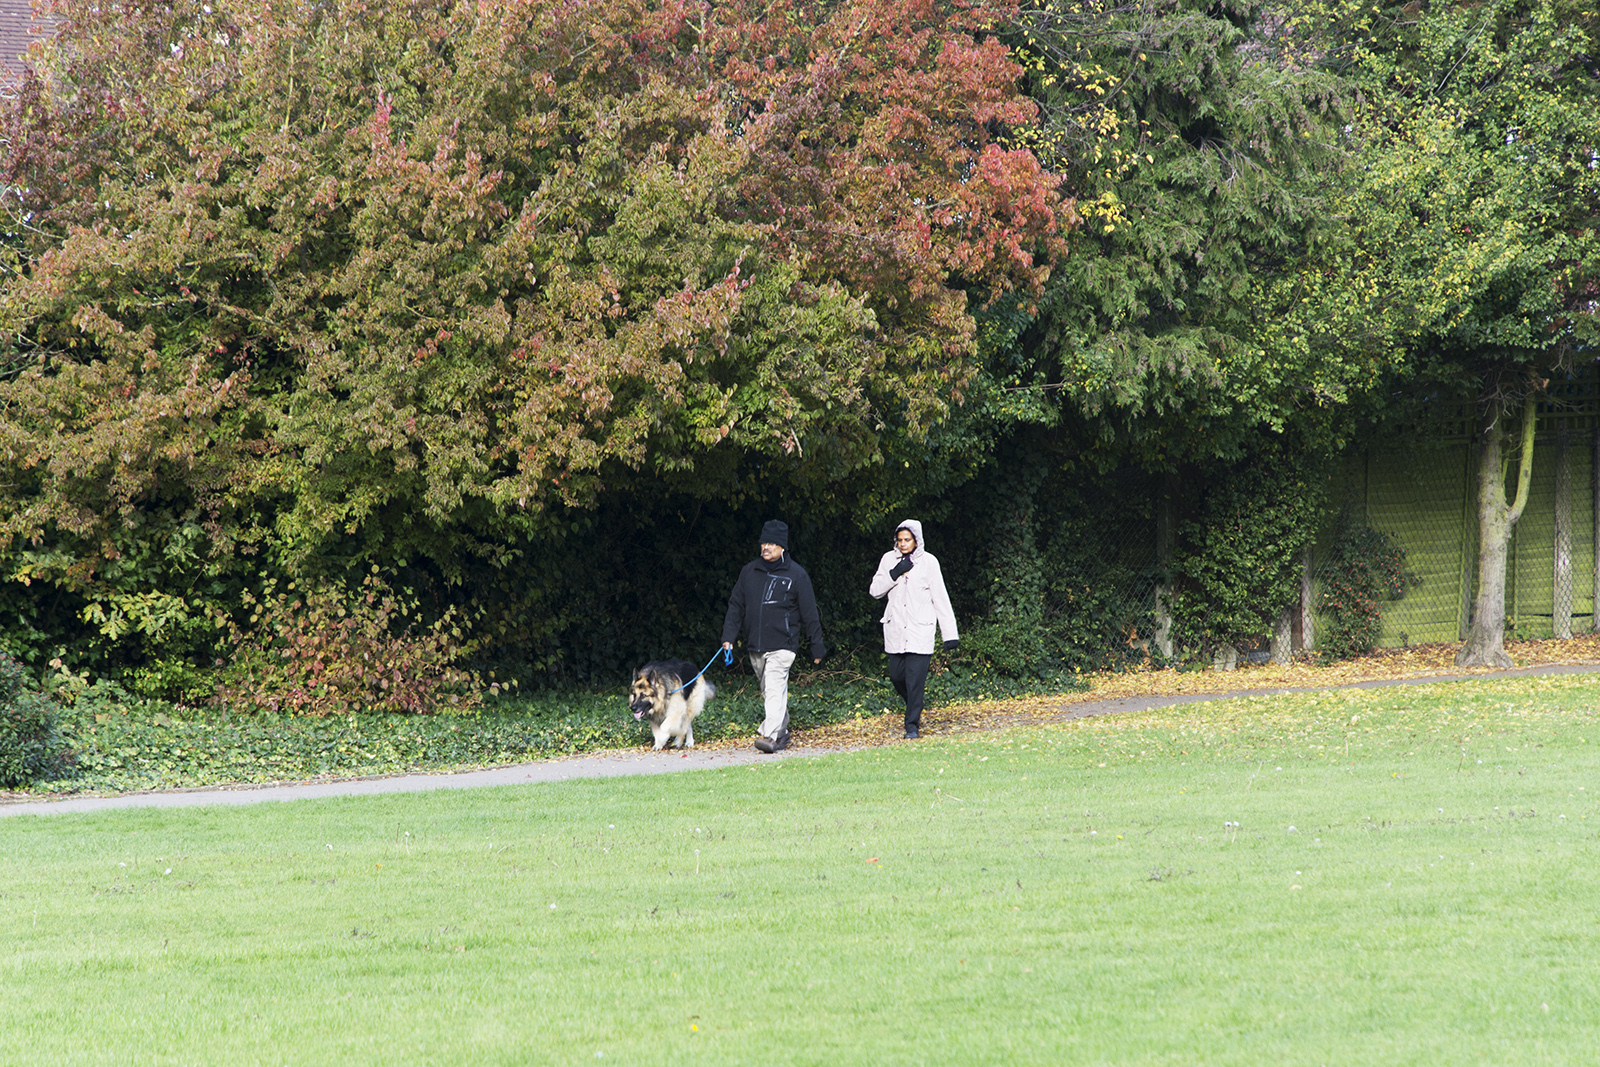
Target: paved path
(634, 762)
(596, 765)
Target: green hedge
(29, 747)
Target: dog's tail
(697, 694)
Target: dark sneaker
(766, 744)
(911, 731)
(781, 742)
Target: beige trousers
(772, 672)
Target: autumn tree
(415, 279)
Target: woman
(909, 576)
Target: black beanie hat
(775, 533)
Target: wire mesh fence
(1102, 558)
(1426, 496)
(1422, 495)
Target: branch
(1530, 420)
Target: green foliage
(1240, 557)
(1101, 613)
(1190, 134)
(1073, 588)
(1364, 568)
(320, 651)
(1059, 580)
(117, 741)
(1461, 240)
(1100, 555)
(171, 679)
(141, 595)
(120, 742)
(1010, 639)
(542, 309)
(29, 745)
(1461, 237)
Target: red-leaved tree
(405, 274)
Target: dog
(659, 692)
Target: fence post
(1469, 542)
(1308, 637)
(1561, 607)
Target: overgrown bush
(29, 746)
(323, 652)
(1366, 567)
(1009, 638)
(1239, 558)
(1049, 568)
(171, 679)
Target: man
(770, 602)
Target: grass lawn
(1360, 877)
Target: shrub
(324, 653)
(29, 746)
(171, 679)
(1239, 559)
(1101, 614)
(1365, 567)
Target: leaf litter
(1418, 662)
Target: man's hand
(727, 646)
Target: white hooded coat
(917, 599)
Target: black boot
(911, 731)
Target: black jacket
(770, 602)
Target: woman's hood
(916, 531)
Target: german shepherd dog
(658, 693)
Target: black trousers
(908, 671)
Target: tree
(1192, 136)
(383, 281)
(1463, 235)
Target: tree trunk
(1485, 644)
(1166, 541)
(1561, 600)
(1282, 645)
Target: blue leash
(727, 661)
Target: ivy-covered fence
(1054, 567)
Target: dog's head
(647, 693)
